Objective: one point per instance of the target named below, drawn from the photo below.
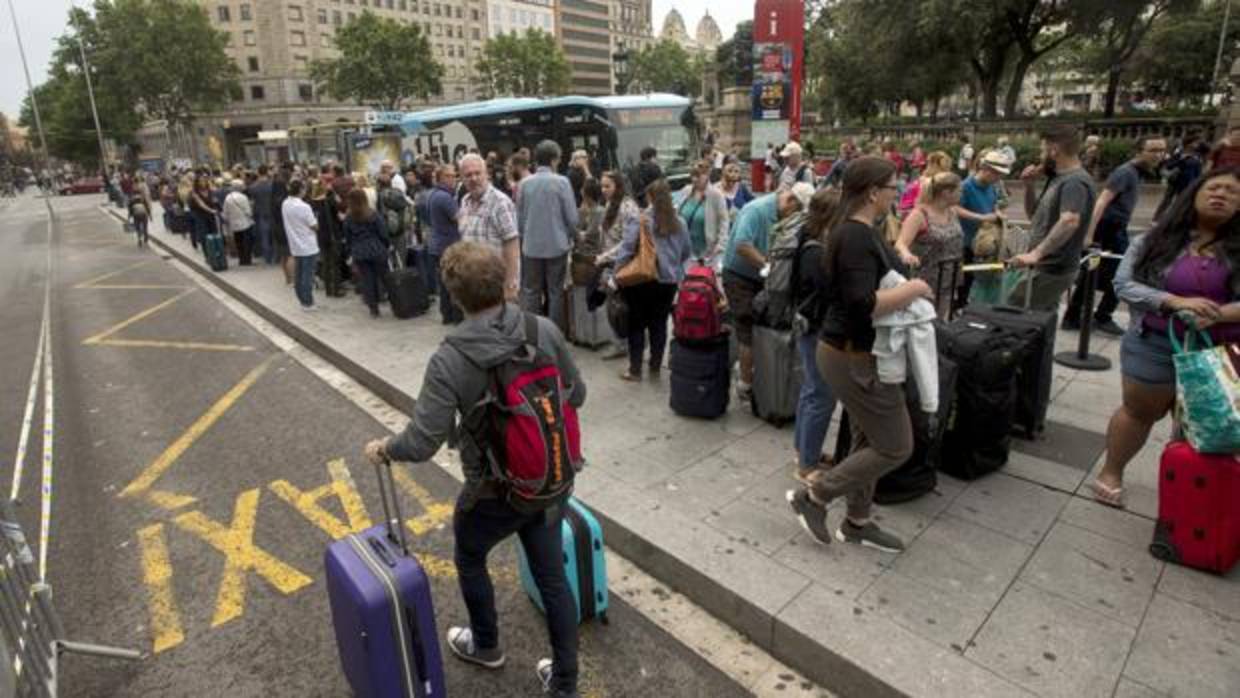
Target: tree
(666, 67)
(382, 63)
(1174, 63)
(1120, 32)
(735, 57)
(524, 64)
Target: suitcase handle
(387, 490)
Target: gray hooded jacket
(453, 385)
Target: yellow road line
(165, 344)
(342, 488)
(236, 542)
(437, 512)
(104, 277)
(136, 318)
(169, 500)
(160, 465)
(157, 575)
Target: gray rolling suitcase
(586, 328)
(776, 375)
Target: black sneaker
(869, 535)
(813, 517)
(1070, 325)
(461, 642)
(1109, 326)
(545, 670)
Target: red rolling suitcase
(382, 611)
(1198, 509)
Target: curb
(829, 669)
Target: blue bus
(612, 129)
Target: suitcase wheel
(1161, 547)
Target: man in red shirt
(1227, 152)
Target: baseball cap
(997, 161)
(791, 149)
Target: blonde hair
(941, 183)
(936, 162)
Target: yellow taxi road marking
(236, 542)
(437, 512)
(104, 277)
(160, 465)
(169, 500)
(136, 318)
(157, 574)
(342, 488)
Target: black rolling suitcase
(1033, 382)
(701, 378)
(919, 475)
(406, 291)
(988, 354)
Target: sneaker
(744, 392)
(310, 308)
(869, 535)
(545, 671)
(813, 517)
(461, 642)
(1070, 325)
(1109, 326)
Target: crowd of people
(495, 233)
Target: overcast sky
(41, 21)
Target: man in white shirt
(489, 217)
(239, 215)
(795, 170)
(398, 182)
(301, 227)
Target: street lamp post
(1218, 57)
(621, 60)
(34, 100)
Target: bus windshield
(662, 128)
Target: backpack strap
(531, 329)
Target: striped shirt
(490, 219)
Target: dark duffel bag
(407, 292)
(919, 475)
(701, 378)
(1033, 394)
(979, 426)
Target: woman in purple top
(1187, 265)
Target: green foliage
(666, 67)
(530, 64)
(735, 57)
(382, 63)
(1177, 60)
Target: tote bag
(643, 268)
(1207, 388)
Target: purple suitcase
(382, 611)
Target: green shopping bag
(1207, 388)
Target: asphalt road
(199, 474)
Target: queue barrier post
(1081, 359)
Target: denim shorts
(1145, 356)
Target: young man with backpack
(502, 354)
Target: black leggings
(649, 306)
(371, 271)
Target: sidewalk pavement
(1016, 584)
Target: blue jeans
(478, 530)
(266, 245)
(303, 282)
(814, 406)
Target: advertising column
(778, 51)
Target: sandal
(1107, 495)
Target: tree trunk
(1112, 92)
(990, 97)
(934, 109)
(1011, 103)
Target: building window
(474, 14)
(477, 34)
(252, 61)
(248, 36)
(438, 11)
(460, 14)
(297, 38)
(322, 16)
(305, 91)
(245, 12)
(256, 92)
(294, 13)
(352, 16)
(222, 13)
(404, 5)
(337, 18)
(302, 62)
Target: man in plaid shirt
(488, 216)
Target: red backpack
(698, 315)
(525, 429)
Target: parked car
(82, 185)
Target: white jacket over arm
(906, 338)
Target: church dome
(708, 34)
(674, 27)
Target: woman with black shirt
(367, 238)
(856, 260)
(202, 209)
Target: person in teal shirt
(704, 211)
(743, 262)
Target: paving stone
(1067, 444)
(1051, 646)
(1140, 480)
(1092, 397)
(845, 570)
(684, 447)
(628, 466)
(1116, 524)
(1017, 508)
(705, 487)
(1209, 591)
(781, 682)
(859, 653)
(1096, 572)
(763, 450)
(945, 618)
(1062, 413)
(747, 524)
(1026, 467)
(1185, 650)
(1128, 688)
(954, 555)
(768, 489)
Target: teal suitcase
(584, 564)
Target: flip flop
(1107, 495)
